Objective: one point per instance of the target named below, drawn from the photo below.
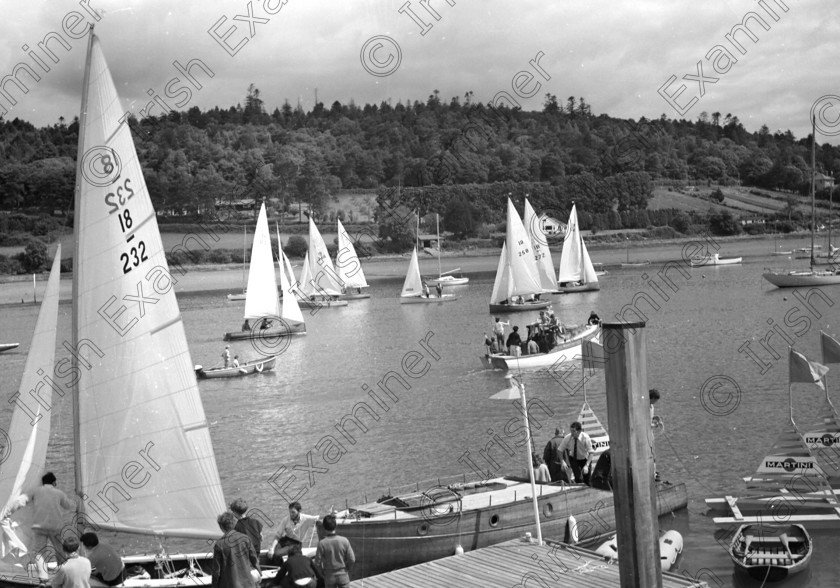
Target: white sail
(322, 277)
(501, 286)
(29, 430)
(290, 308)
(144, 459)
(347, 262)
(413, 285)
(542, 254)
(575, 265)
(305, 277)
(261, 298)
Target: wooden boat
(567, 351)
(771, 552)
(349, 268)
(413, 292)
(716, 259)
(812, 276)
(670, 548)
(420, 526)
(517, 273)
(576, 273)
(539, 243)
(445, 278)
(261, 302)
(8, 346)
(322, 302)
(255, 366)
(139, 427)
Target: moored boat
(416, 527)
(413, 291)
(670, 548)
(8, 346)
(350, 273)
(445, 278)
(255, 366)
(771, 552)
(566, 351)
(716, 259)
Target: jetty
(517, 563)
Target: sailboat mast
(437, 219)
(77, 269)
(244, 241)
(813, 185)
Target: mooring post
(634, 490)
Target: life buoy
(259, 367)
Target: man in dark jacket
(553, 458)
(295, 570)
(233, 556)
(514, 343)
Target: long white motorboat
(568, 350)
(716, 259)
(139, 428)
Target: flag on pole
(806, 372)
(593, 355)
(830, 348)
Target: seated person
(533, 347)
(246, 326)
(297, 570)
(593, 319)
(601, 477)
(236, 361)
(106, 563)
(541, 473)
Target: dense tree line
(440, 149)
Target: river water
(721, 412)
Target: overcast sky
(617, 55)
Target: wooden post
(628, 412)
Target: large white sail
(261, 298)
(575, 265)
(29, 430)
(144, 460)
(305, 277)
(521, 262)
(290, 308)
(413, 285)
(347, 262)
(542, 254)
(501, 286)
(322, 277)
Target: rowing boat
(771, 552)
(256, 366)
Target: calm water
(264, 423)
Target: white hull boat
(716, 259)
(566, 351)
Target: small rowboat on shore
(256, 366)
(771, 552)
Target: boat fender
(459, 550)
(571, 536)
(259, 367)
(670, 547)
(609, 549)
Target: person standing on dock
(577, 447)
(335, 556)
(553, 457)
(292, 532)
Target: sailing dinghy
(539, 242)
(262, 305)
(143, 458)
(319, 281)
(516, 275)
(446, 278)
(576, 273)
(350, 273)
(413, 292)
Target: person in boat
(577, 450)
(425, 290)
(248, 526)
(439, 290)
(48, 504)
(514, 343)
(74, 572)
(335, 556)
(292, 531)
(236, 361)
(543, 318)
(490, 346)
(541, 473)
(246, 326)
(594, 319)
(266, 324)
(107, 565)
(601, 477)
(226, 355)
(499, 331)
(233, 556)
(553, 457)
(297, 570)
(532, 346)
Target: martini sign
(822, 439)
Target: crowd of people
(543, 335)
(235, 562)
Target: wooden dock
(516, 563)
